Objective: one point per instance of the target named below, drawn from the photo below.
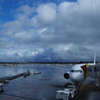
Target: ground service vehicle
(67, 93)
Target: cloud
(26, 9)
(46, 12)
(52, 32)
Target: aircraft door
(84, 70)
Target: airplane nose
(77, 77)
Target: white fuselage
(76, 73)
(79, 72)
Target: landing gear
(1, 89)
(67, 84)
(76, 84)
(69, 97)
(75, 93)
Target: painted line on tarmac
(23, 93)
(83, 85)
(18, 96)
(30, 90)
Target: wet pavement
(42, 86)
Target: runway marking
(18, 96)
(30, 90)
(9, 98)
(21, 94)
(83, 85)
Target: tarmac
(43, 83)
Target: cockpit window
(76, 71)
(72, 71)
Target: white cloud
(23, 54)
(26, 9)
(46, 12)
(53, 32)
(66, 8)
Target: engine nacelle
(66, 75)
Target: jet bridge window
(76, 71)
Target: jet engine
(66, 75)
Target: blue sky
(9, 6)
(49, 30)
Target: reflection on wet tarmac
(42, 86)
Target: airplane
(79, 72)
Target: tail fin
(94, 57)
